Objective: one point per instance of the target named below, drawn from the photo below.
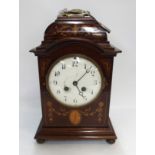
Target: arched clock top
(74, 26)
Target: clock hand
(75, 83)
(87, 71)
(80, 92)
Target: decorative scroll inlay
(76, 115)
(50, 111)
(44, 64)
(43, 67)
(107, 66)
(99, 111)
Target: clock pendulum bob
(75, 62)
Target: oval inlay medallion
(75, 117)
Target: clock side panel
(95, 114)
(108, 65)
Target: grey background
(119, 16)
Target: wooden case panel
(94, 114)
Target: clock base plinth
(73, 133)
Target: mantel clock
(75, 62)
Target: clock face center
(75, 83)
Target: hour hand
(75, 83)
(81, 93)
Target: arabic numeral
(75, 100)
(57, 73)
(63, 66)
(75, 63)
(85, 98)
(55, 82)
(65, 98)
(95, 82)
(92, 73)
(85, 66)
(58, 92)
(92, 92)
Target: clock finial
(74, 13)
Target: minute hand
(87, 71)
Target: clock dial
(75, 81)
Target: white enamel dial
(75, 81)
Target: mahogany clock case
(62, 119)
(92, 120)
